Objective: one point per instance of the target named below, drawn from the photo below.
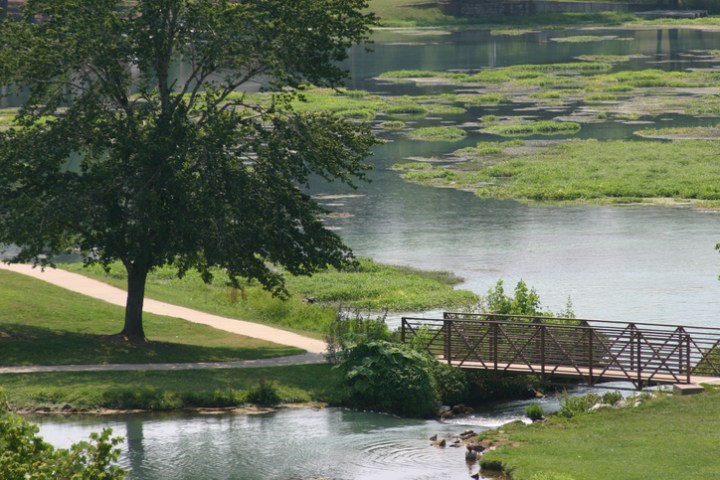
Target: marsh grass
(588, 170)
(438, 134)
(681, 133)
(543, 127)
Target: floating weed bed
(511, 32)
(488, 148)
(392, 125)
(607, 58)
(544, 127)
(589, 171)
(438, 134)
(589, 38)
(681, 133)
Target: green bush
(24, 455)
(451, 383)
(534, 412)
(350, 328)
(611, 398)
(264, 394)
(572, 406)
(389, 377)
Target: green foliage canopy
(23, 454)
(133, 145)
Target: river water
(633, 263)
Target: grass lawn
(41, 324)
(370, 286)
(663, 439)
(166, 390)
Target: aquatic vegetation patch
(511, 32)
(488, 148)
(606, 58)
(435, 134)
(589, 38)
(439, 109)
(482, 99)
(543, 127)
(708, 105)
(681, 133)
(393, 125)
(600, 97)
(406, 111)
(589, 170)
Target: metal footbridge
(591, 351)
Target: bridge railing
(594, 351)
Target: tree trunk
(133, 330)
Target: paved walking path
(102, 291)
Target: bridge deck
(576, 372)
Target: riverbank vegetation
(170, 390)
(313, 301)
(380, 373)
(629, 443)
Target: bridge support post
(590, 356)
(448, 341)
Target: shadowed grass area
(42, 324)
(166, 390)
(667, 438)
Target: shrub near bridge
(389, 377)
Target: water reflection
(291, 444)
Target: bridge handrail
(465, 315)
(649, 350)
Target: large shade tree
(136, 143)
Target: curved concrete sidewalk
(102, 291)
(304, 359)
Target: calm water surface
(639, 263)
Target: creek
(638, 263)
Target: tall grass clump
(543, 127)
(438, 134)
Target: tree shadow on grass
(29, 345)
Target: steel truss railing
(590, 350)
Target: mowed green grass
(168, 390)
(664, 439)
(41, 324)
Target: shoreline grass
(77, 392)
(664, 438)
